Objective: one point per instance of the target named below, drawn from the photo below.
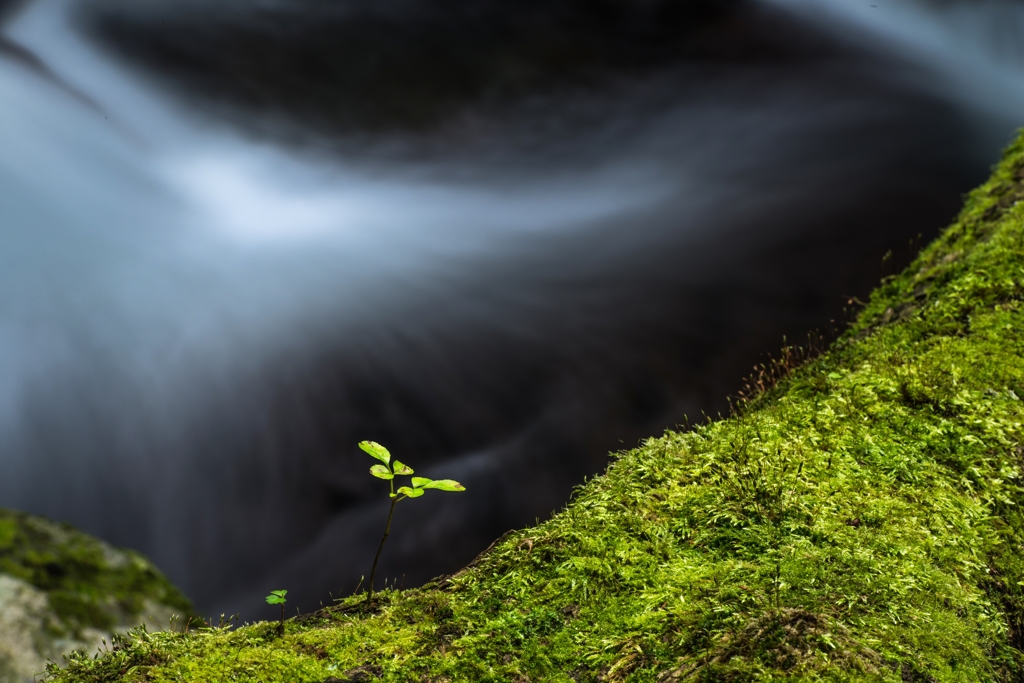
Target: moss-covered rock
(61, 590)
(859, 521)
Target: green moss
(88, 584)
(860, 521)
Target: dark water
(503, 239)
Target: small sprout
(388, 471)
(277, 598)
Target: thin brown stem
(387, 530)
(280, 628)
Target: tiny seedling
(277, 598)
(388, 471)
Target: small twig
(387, 530)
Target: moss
(88, 583)
(859, 521)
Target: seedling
(388, 471)
(277, 598)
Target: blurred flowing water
(503, 239)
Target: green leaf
(420, 482)
(277, 597)
(411, 493)
(445, 485)
(401, 468)
(834, 375)
(381, 472)
(376, 450)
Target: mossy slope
(859, 522)
(89, 584)
(61, 590)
